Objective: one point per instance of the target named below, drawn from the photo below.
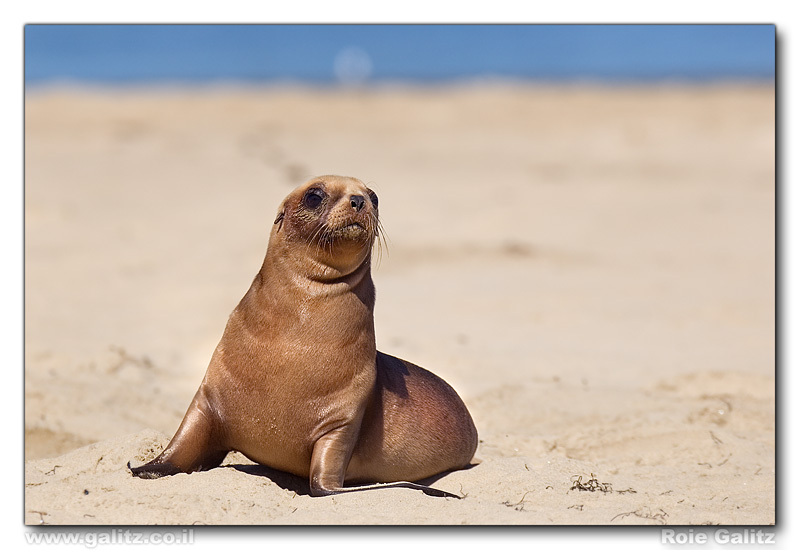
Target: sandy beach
(591, 268)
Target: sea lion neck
(309, 276)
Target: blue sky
(123, 54)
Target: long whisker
(372, 234)
(382, 239)
(379, 236)
(316, 239)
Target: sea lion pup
(296, 382)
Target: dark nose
(357, 202)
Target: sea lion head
(335, 218)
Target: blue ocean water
(323, 54)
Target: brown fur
(296, 382)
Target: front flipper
(401, 484)
(329, 461)
(154, 470)
(196, 445)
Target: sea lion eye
(313, 198)
(373, 198)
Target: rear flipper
(196, 445)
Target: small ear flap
(279, 220)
